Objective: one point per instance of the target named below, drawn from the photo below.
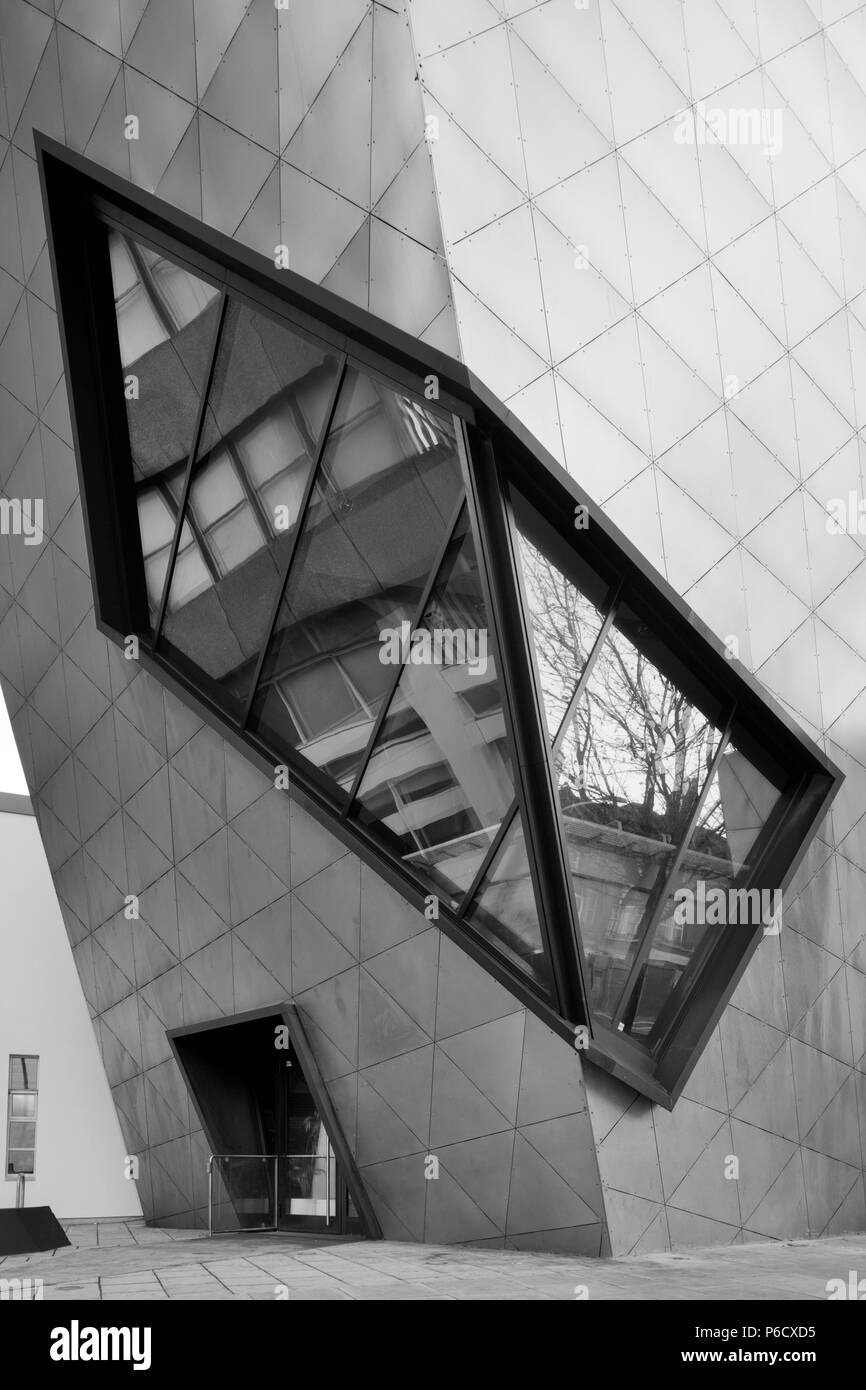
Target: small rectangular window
(21, 1111)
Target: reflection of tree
(635, 751)
(711, 836)
(565, 626)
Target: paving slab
(126, 1260)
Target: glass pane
(308, 1177)
(564, 625)
(20, 1161)
(452, 863)
(243, 1193)
(156, 521)
(166, 318)
(182, 294)
(439, 779)
(23, 1073)
(614, 875)
(139, 327)
(262, 425)
(389, 483)
(22, 1134)
(191, 574)
(738, 804)
(630, 769)
(308, 1188)
(22, 1107)
(270, 382)
(505, 907)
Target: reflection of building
(327, 499)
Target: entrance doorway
(279, 1160)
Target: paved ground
(128, 1260)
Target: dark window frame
(497, 452)
(12, 1092)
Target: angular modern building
(433, 532)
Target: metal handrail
(328, 1158)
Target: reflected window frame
(144, 284)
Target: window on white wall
(21, 1129)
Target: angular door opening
(278, 1158)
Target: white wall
(79, 1149)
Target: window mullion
(147, 283)
(689, 980)
(301, 426)
(252, 497)
(201, 540)
(399, 666)
(527, 728)
(187, 481)
(293, 546)
(588, 668)
(654, 916)
(493, 849)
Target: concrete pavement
(128, 1260)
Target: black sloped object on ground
(23, 1231)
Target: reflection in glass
(272, 387)
(564, 626)
(23, 1073)
(439, 779)
(307, 1176)
(243, 1192)
(20, 1161)
(308, 1187)
(388, 486)
(157, 517)
(738, 804)
(630, 770)
(505, 908)
(619, 876)
(22, 1134)
(263, 420)
(737, 807)
(166, 319)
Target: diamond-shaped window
(351, 559)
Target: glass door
(311, 1191)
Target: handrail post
(328, 1185)
(210, 1195)
(276, 1192)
